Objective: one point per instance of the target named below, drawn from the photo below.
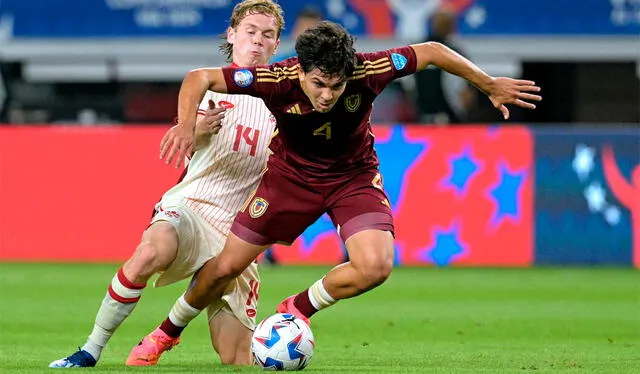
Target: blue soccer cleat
(80, 359)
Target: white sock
(182, 313)
(319, 296)
(120, 300)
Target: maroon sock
(170, 329)
(303, 304)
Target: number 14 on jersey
(250, 137)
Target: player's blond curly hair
(248, 7)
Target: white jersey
(221, 176)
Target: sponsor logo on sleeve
(399, 61)
(243, 78)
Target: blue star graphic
(293, 347)
(271, 340)
(463, 168)
(271, 363)
(397, 154)
(447, 246)
(323, 226)
(506, 194)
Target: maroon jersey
(316, 144)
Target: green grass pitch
(423, 320)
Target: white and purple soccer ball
(282, 342)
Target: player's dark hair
(247, 8)
(328, 47)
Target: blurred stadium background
(88, 87)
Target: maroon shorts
(284, 205)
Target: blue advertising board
(587, 198)
(407, 19)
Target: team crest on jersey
(352, 103)
(258, 207)
(243, 78)
(399, 61)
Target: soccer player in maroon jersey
(323, 158)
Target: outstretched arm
(500, 90)
(179, 142)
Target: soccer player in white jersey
(193, 218)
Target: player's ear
(300, 73)
(231, 35)
(275, 49)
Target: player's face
(322, 90)
(254, 40)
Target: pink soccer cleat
(149, 350)
(286, 306)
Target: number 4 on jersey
(250, 137)
(324, 130)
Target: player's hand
(177, 142)
(518, 92)
(211, 122)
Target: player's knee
(146, 261)
(243, 359)
(214, 272)
(376, 275)
(374, 271)
(234, 355)
(227, 269)
(235, 358)
(227, 357)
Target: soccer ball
(282, 342)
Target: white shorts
(199, 242)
